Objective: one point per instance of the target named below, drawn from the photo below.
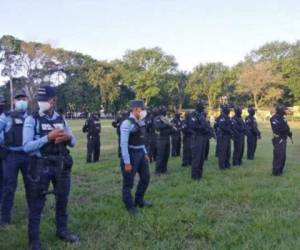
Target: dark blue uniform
(49, 162)
(187, 141)
(201, 134)
(92, 127)
(164, 132)
(176, 136)
(281, 132)
(217, 133)
(239, 131)
(224, 140)
(150, 137)
(252, 135)
(15, 160)
(133, 151)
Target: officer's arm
(125, 131)
(29, 144)
(72, 142)
(158, 124)
(85, 127)
(3, 121)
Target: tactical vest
(45, 127)
(137, 135)
(94, 127)
(14, 136)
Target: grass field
(241, 208)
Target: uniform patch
(18, 121)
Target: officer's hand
(147, 158)
(64, 137)
(55, 133)
(128, 168)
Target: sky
(194, 31)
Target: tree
(103, 75)
(261, 82)
(207, 81)
(145, 71)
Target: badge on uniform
(18, 121)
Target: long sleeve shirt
(126, 128)
(33, 142)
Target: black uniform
(239, 131)
(201, 134)
(92, 127)
(176, 136)
(151, 137)
(252, 133)
(163, 131)
(2, 103)
(117, 124)
(281, 131)
(224, 138)
(217, 133)
(187, 141)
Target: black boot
(67, 236)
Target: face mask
(143, 114)
(44, 106)
(21, 105)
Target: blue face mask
(21, 105)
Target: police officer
(281, 131)
(187, 141)
(252, 133)
(201, 133)
(92, 127)
(117, 124)
(151, 135)
(46, 137)
(134, 157)
(239, 131)
(2, 106)
(15, 159)
(210, 135)
(224, 137)
(217, 133)
(176, 136)
(163, 129)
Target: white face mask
(44, 106)
(143, 114)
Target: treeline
(268, 74)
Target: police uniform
(49, 162)
(2, 103)
(200, 136)
(252, 133)
(281, 131)
(224, 138)
(176, 136)
(92, 127)
(151, 137)
(15, 159)
(133, 152)
(163, 131)
(187, 141)
(239, 131)
(117, 124)
(217, 133)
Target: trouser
(93, 149)
(152, 152)
(13, 163)
(163, 152)
(199, 144)
(1, 179)
(224, 151)
(279, 155)
(176, 144)
(217, 145)
(187, 150)
(238, 151)
(47, 172)
(207, 150)
(139, 165)
(251, 146)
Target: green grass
(242, 208)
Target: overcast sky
(193, 31)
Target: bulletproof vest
(45, 127)
(94, 127)
(14, 136)
(137, 135)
